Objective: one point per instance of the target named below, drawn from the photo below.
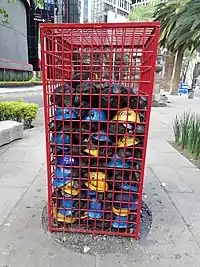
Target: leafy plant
(18, 111)
(185, 128)
(194, 133)
(177, 130)
(187, 132)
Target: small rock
(64, 239)
(178, 256)
(86, 249)
(58, 240)
(4, 253)
(163, 184)
(32, 216)
(38, 190)
(7, 224)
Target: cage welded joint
(98, 81)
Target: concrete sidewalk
(174, 239)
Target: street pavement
(172, 193)
(29, 95)
(35, 95)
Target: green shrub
(18, 111)
(187, 132)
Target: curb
(4, 90)
(13, 85)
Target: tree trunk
(177, 72)
(195, 73)
(169, 66)
(185, 72)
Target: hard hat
(124, 203)
(128, 187)
(92, 152)
(60, 138)
(95, 115)
(101, 137)
(127, 141)
(95, 209)
(117, 162)
(97, 182)
(126, 115)
(69, 190)
(66, 160)
(120, 222)
(67, 206)
(61, 177)
(60, 217)
(65, 113)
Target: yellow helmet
(61, 218)
(120, 212)
(97, 182)
(92, 152)
(126, 115)
(68, 189)
(128, 141)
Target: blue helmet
(128, 187)
(118, 163)
(95, 209)
(60, 139)
(125, 202)
(67, 207)
(95, 115)
(61, 177)
(101, 137)
(65, 113)
(120, 222)
(66, 160)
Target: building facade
(53, 11)
(13, 39)
(140, 2)
(105, 10)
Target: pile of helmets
(97, 137)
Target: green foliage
(4, 13)
(18, 111)
(142, 13)
(180, 26)
(177, 130)
(187, 132)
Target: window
(126, 5)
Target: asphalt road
(29, 97)
(37, 97)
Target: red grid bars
(98, 81)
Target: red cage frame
(122, 53)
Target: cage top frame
(100, 25)
(113, 34)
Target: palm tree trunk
(177, 71)
(169, 66)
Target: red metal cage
(98, 81)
